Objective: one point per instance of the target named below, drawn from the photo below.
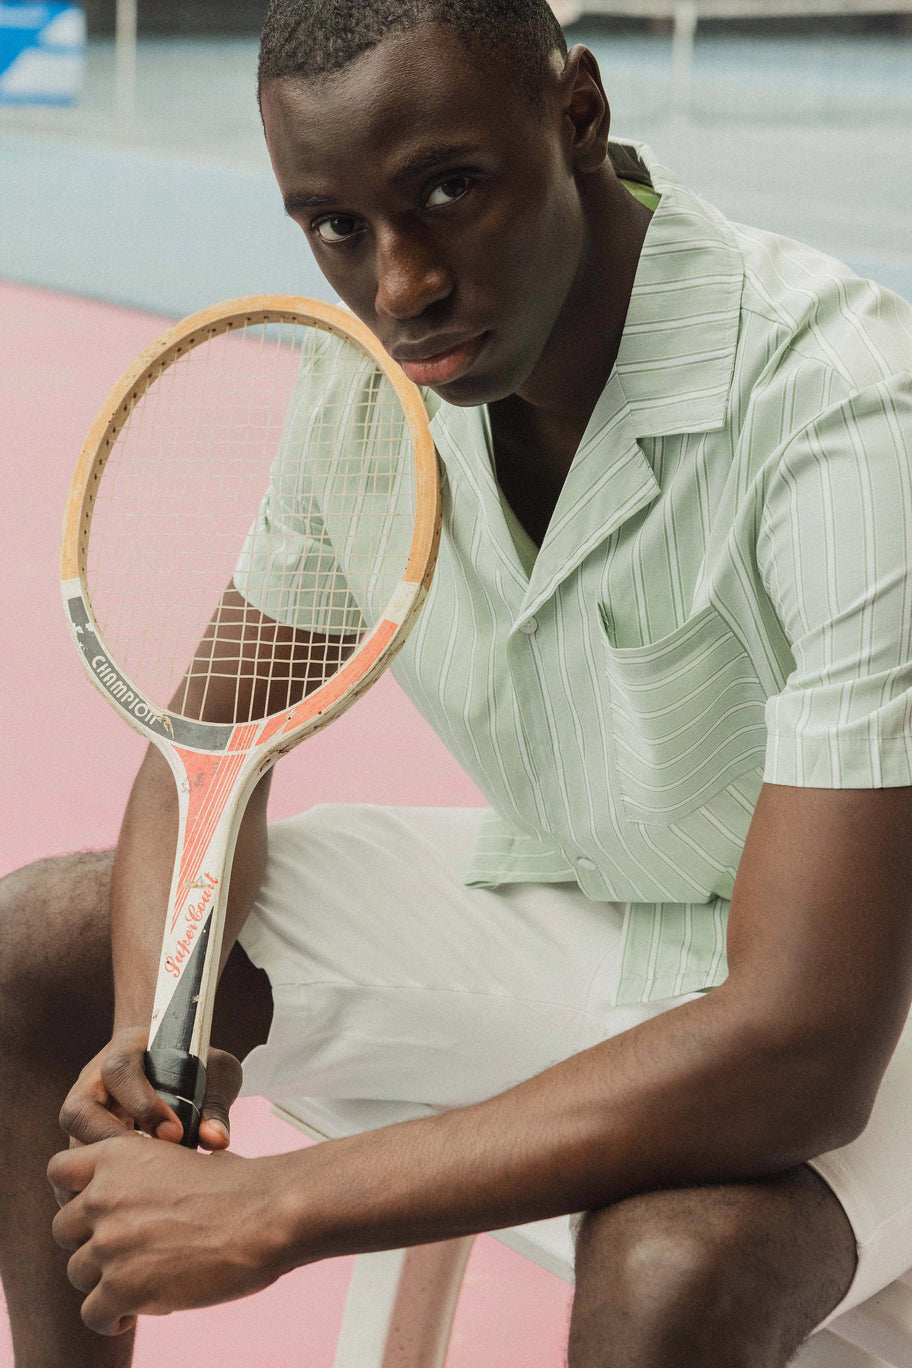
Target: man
(669, 636)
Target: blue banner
(42, 52)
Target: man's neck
(536, 432)
(574, 368)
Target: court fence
(685, 15)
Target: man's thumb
(223, 1083)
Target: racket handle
(180, 1080)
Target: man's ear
(585, 111)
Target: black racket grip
(180, 1080)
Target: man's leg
(734, 1276)
(55, 1013)
(56, 1007)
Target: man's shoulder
(798, 306)
(815, 310)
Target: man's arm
(779, 1064)
(113, 1090)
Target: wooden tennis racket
(269, 445)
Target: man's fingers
(125, 1080)
(101, 1317)
(112, 1094)
(61, 1197)
(103, 1312)
(83, 1272)
(223, 1083)
(72, 1170)
(87, 1119)
(70, 1228)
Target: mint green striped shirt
(723, 595)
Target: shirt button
(585, 863)
(529, 626)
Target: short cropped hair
(313, 38)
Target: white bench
(686, 14)
(400, 1305)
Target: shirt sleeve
(287, 573)
(287, 568)
(835, 552)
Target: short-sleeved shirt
(723, 595)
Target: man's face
(438, 205)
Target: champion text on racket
(266, 450)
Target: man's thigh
(56, 976)
(56, 990)
(394, 982)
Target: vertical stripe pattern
(723, 595)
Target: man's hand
(156, 1228)
(112, 1094)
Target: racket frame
(206, 756)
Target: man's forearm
(687, 1098)
(142, 881)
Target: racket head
(174, 373)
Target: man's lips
(440, 367)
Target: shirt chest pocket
(687, 716)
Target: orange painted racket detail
(250, 534)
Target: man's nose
(411, 275)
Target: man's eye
(336, 229)
(446, 191)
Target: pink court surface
(67, 764)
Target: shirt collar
(677, 354)
(609, 480)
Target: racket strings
(254, 518)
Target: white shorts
(393, 981)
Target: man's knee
(656, 1271)
(56, 979)
(735, 1276)
(55, 952)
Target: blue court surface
(807, 133)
